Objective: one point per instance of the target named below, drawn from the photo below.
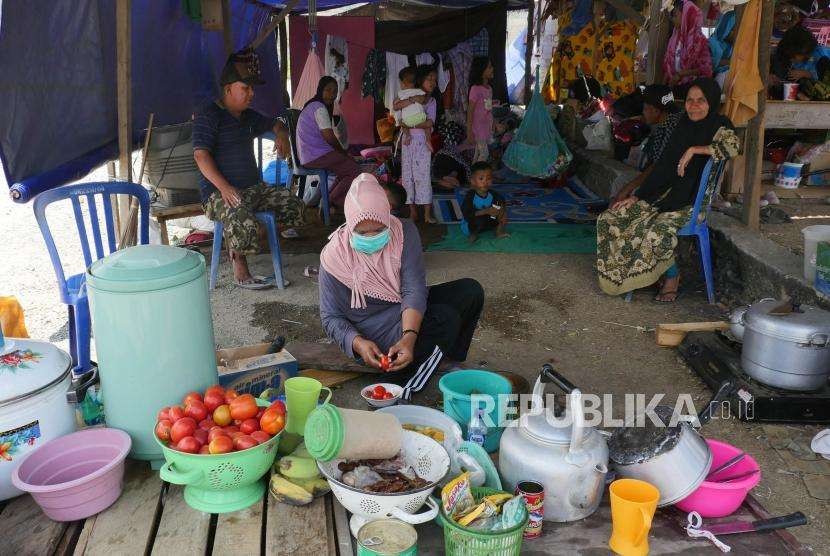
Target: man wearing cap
(661, 114)
(231, 186)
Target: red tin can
(534, 495)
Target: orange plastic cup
(633, 504)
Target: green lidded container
(387, 537)
(153, 332)
(333, 432)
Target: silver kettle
(568, 458)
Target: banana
(298, 468)
(286, 492)
(316, 486)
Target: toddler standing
(480, 109)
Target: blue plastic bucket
(459, 389)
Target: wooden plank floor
(152, 518)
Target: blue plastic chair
(73, 288)
(698, 226)
(296, 169)
(270, 222)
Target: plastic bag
(361, 477)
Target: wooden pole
(754, 142)
(284, 63)
(658, 36)
(531, 4)
(227, 27)
(123, 42)
(275, 22)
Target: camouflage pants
(240, 223)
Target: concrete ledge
(600, 172)
(749, 266)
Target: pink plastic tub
(717, 499)
(75, 476)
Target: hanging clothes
(424, 59)
(719, 45)
(461, 58)
(743, 82)
(337, 63)
(394, 64)
(573, 58)
(374, 75)
(313, 70)
(443, 75)
(615, 68)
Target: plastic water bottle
(476, 429)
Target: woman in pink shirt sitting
(480, 109)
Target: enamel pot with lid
(34, 379)
(569, 458)
(673, 456)
(786, 345)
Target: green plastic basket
(220, 483)
(460, 541)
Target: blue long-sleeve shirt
(380, 321)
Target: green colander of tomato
(221, 467)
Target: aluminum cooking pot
(675, 459)
(786, 345)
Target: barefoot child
(416, 156)
(480, 109)
(483, 209)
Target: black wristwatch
(409, 330)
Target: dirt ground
(539, 308)
(804, 212)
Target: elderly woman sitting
(637, 236)
(374, 299)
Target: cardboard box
(251, 369)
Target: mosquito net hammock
(537, 150)
(313, 69)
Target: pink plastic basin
(716, 499)
(75, 476)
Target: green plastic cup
(301, 397)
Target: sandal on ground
(254, 283)
(311, 271)
(290, 233)
(676, 294)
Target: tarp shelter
(58, 117)
(408, 30)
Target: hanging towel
(337, 63)
(394, 64)
(537, 150)
(743, 82)
(424, 59)
(443, 75)
(307, 85)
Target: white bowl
(396, 391)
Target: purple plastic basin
(75, 476)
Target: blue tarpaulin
(58, 115)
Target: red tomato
(236, 434)
(201, 435)
(259, 413)
(163, 430)
(279, 405)
(214, 432)
(188, 444)
(206, 424)
(388, 396)
(221, 445)
(204, 450)
(243, 407)
(379, 391)
(213, 399)
(243, 442)
(182, 428)
(385, 363)
(163, 415)
(175, 412)
(249, 425)
(192, 396)
(196, 409)
(230, 395)
(260, 436)
(272, 421)
(215, 388)
(230, 430)
(222, 415)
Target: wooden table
(152, 518)
(163, 214)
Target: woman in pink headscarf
(687, 54)
(374, 299)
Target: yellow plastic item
(11, 318)
(633, 504)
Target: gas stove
(716, 358)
